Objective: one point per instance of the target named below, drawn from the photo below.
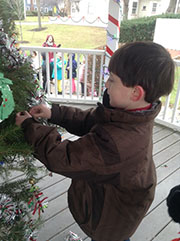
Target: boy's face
(119, 95)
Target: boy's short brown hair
(146, 64)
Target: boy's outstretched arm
(78, 159)
(74, 120)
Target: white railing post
(77, 87)
(63, 76)
(176, 104)
(93, 76)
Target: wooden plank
(56, 224)
(163, 188)
(161, 134)
(55, 206)
(163, 144)
(48, 181)
(150, 226)
(168, 168)
(168, 153)
(57, 189)
(73, 228)
(157, 217)
(157, 128)
(168, 233)
(87, 239)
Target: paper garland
(7, 105)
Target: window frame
(134, 8)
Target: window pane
(154, 7)
(134, 7)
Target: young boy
(111, 165)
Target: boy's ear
(137, 93)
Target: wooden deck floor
(156, 226)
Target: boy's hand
(40, 111)
(22, 116)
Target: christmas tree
(21, 202)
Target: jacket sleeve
(75, 159)
(59, 65)
(74, 65)
(74, 120)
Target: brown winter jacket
(111, 166)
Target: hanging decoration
(9, 212)
(105, 70)
(35, 201)
(73, 237)
(13, 58)
(7, 104)
(9, 51)
(176, 239)
(30, 226)
(82, 19)
(112, 36)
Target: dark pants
(82, 89)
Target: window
(28, 1)
(144, 8)
(134, 7)
(34, 1)
(154, 7)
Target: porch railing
(170, 112)
(93, 74)
(93, 82)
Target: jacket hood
(109, 114)
(73, 56)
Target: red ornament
(6, 99)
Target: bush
(141, 29)
(31, 13)
(50, 12)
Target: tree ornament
(32, 181)
(9, 212)
(8, 49)
(7, 105)
(176, 239)
(73, 237)
(35, 200)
